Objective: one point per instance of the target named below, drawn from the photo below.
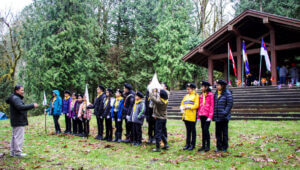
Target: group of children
(132, 108)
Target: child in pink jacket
(205, 113)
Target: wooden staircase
(253, 103)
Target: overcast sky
(15, 5)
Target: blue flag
(245, 58)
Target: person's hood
(56, 92)
(11, 96)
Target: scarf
(135, 103)
(204, 95)
(99, 94)
(193, 92)
(66, 98)
(106, 101)
(164, 100)
(118, 99)
(219, 93)
(52, 102)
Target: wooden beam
(210, 65)
(239, 57)
(253, 40)
(287, 46)
(273, 57)
(257, 50)
(259, 38)
(232, 29)
(204, 51)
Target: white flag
(154, 84)
(45, 99)
(86, 94)
(264, 52)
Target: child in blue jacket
(116, 114)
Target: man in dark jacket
(127, 109)
(223, 104)
(98, 107)
(18, 120)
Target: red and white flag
(230, 56)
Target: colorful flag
(86, 94)
(154, 83)
(230, 56)
(245, 58)
(264, 52)
(45, 99)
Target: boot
(149, 140)
(207, 147)
(192, 147)
(201, 149)
(186, 147)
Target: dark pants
(190, 133)
(56, 123)
(151, 127)
(137, 132)
(160, 131)
(222, 135)
(108, 127)
(86, 127)
(68, 123)
(77, 126)
(99, 126)
(118, 132)
(282, 80)
(205, 132)
(128, 130)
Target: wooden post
(210, 71)
(239, 57)
(273, 57)
(226, 70)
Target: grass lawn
(253, 145)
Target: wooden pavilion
(281, 36)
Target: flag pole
(228, 65)
(45, 121)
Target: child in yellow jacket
(188, 107)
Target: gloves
(181, 109)
(101, 117)
(119, 120)
(108, 117)
(128, 117)
(208, 119)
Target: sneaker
(20, 155)
(156, 150)
(165, 147)
(201, 149)
(12, 154)
(186, 147)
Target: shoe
(138, 144)
(186, 147)
(81, 135)
(119, 141)
(126, 141)
(12, 154)
(206, 149)
(149, 141)
(201, 149)
(156, 150)
(192, 147)
(20, 154)
(224, 150)
(153, 141)
(165, 147)
(109, 140)
(218, 150)
(105, 138)
(115, 140)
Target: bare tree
(11, 50)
